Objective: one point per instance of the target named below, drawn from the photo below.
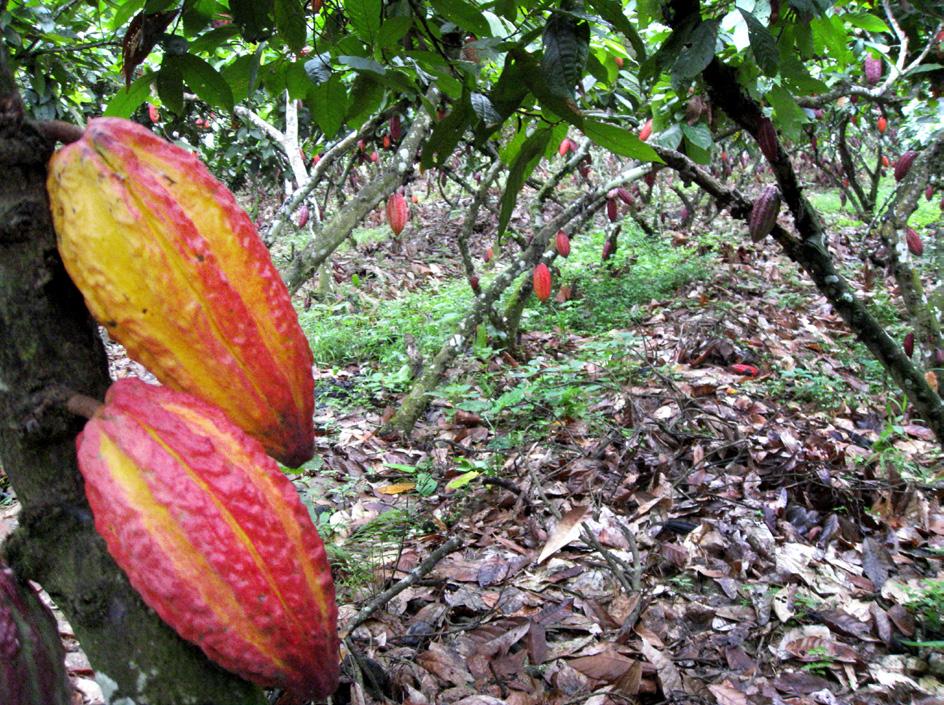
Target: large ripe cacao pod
(212, 536)
(913, 240)
(908, 344)
(542, 282)
(562, 244)
(903, 165)
(303, 216)
(174, 269)
(612, 211)
(32, 660)
(764, 213)
(767, 139)
(625, 196)
(397, 213)
(873, 70)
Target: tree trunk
(49, 340)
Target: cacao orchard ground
(782, 521)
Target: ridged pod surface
(903, 165)
(764, 213)
(212, 536)
(174, 269)
(767, 139)
(542, 282)
(612, 211)
(397, 213)
(908, 344)
(32, 660)
(913, 240)
(873, 70)
(562, 244)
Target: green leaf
(213, 39)
(170, 85)
(612, 12)
(446, 135)
(127, 100)
(566, 45)
(619, 140)
(510, 89)
(462, 480)
(763, 45)
(205, 81)
(241, 76)
(518, 172)
(464, 16)
(790, 116)
(253, 17)
(392, 30)
(699, 135)
(698, 52)
(866, 21)
(125, 12)
(328, 103)
(366, 96)
(830, 33)
(296, 81)
(365, 18)
(290, 21)
(484, 109)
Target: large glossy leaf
(763, 45)
(253, 17)
(518, 172)
(290, 21)
(566, 43)
(205, 81)
(619, 140)
(126, 100)
(365, 18)
(170, 84)
(447, 133)
(697, 53)
(463, 15)
(328, 103)
(612, 12)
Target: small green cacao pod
(764, 213)
(32, 660)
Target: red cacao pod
(873, 70)
(398, 213)
(611, 209)
(212, 536)
(474, 284)
(489, 253)
(646, 132)
(374, 157)
(303, 215)
(928, 193)
(565, 147)
(542, 282)
(764, 213)
(903, 165)
(618, 60)
(608, 249)
(885, 161)
(767, 139)
(174, 269)
(915, 246)
(32, 660)
(396, 129)
(882, 125)
(154, 114)
(650, 178)
(908, 344)
(625, 196)
(387, 142)
(562, 244)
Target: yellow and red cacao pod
(767, 139)
(212, 536)
(174, 269)
(398, 213)
(873, 70)
(913, 240)
(646, 132)
(764, 213)
(903, 165)
(542, 282)
(562, 244)
(32, 660)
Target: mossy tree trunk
(47, 340)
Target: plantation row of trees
(340, 106)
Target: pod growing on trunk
(174, 269)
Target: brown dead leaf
(607, 666)
(726, 695)
(566, 531)
(669, 675)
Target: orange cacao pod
(882, 125)
(885, 160)
(903, 165)
(397, 213)
(915, 246)
(764, 213)
(542, 282)
(212, 536)
(174, 269)
(767, 139)
(646, 132)
(489, 253)
(908, 344)
(562, 243)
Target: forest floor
(690, 485)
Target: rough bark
(48, 340)
(334, 230)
